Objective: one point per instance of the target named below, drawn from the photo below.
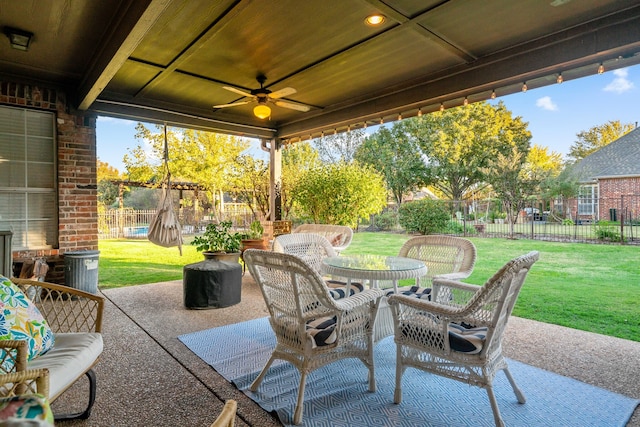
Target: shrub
(604, 230)
(424, 216)
(568, 221)
(386, 220)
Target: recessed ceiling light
(374, 19)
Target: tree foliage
(545, 167)
(459, 143)
(424, 216)
(512, 182)
(340, 147)
(193, 156)
(597, 137)
(297, 159)
(251, 183)
(340, 193)
(107, 192)
(394, 154)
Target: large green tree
(597, 137)
(459, 143)
(395, 154)
(340, 193)
(194, 156)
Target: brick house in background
(48, 185)
(609, 181)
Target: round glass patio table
(375, 268)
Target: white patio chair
(339, 236)
(459, 333)
(447, 257)
(313, 248)
(312, 329)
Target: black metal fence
(592, 220)
(607, 221)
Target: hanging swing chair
(164, 229)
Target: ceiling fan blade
(291, 105)
(282, 93)
(234, 104)
(238, 91)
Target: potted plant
(254, 237)
(219, 242)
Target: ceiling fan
(263, 96)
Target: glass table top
(373, 263)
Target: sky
(555, 113)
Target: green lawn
(583, 286)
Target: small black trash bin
(613, 214)
(81, 270)
(212, 284)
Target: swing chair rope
(164, 229)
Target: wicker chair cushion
(462, 337)
(467, 339)
(20, 319)
(413, 291)
(322, 330)
(337, 288)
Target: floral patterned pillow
(20, 319)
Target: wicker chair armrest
(458, 275)
(444, 314)
(65, 309)
(424, 305)
(17, 351)
(25, 382)
(359, 299)
(452, 292)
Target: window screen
(28, 178)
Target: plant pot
(254, 244)
(222, 256)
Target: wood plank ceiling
(169, 60)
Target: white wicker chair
(459, 333)
(312, 329)
(338, 235)
(312, 248)
(448, 257)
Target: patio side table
(212, 284)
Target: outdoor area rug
(337, 394)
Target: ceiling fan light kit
(262, 96)
(262, 111)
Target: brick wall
(77, 180)
(622, 194)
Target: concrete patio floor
(147, 377)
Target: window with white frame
(588, 199)
(28, 178)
